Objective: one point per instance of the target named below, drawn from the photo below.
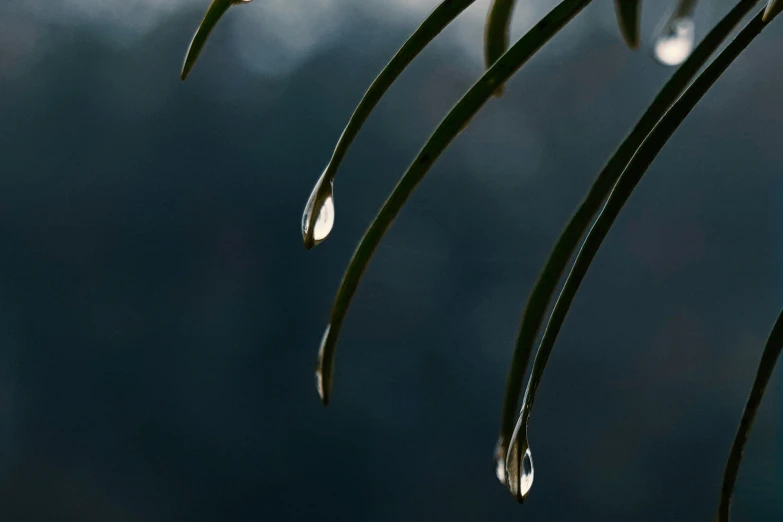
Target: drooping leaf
(773, 7)
(215, 12)
(618, 197)
(545, 285)
(628, 18)
(438, 20)
(496, 33)
(451, 125)
(766, 366)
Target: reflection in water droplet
(675, 41)
(319, 369)
(526, 477)
(318, 213)
(325, 220)
(519, 466)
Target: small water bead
(325, 220)
(318, 215)
(519, 465)
(675, 41)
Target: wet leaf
(451, 125)
(546, 284)
(766, 367)
(628, 18)
(211, 18)
(496, 33)
(619, 196)
(438, 20)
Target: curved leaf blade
(773, 7)
(496, 33)
(546, 284)
(452, 124)
(213, 15)
(629, 18)
(766, 366)
(619, 196)
(432, 26)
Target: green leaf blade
(451, 125)
(619, 196)
(546, 284)
(432, 26)
(629, 18)
(213, 15)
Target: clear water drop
(500, 470)
(527, 473)
(318, 215)
(325, 220)
(519, 466)
(500, 461)
(675, 41)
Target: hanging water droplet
(675, 41)
(318, 216)
(500, 470)
(321, 386)
(519, 466)
(500, 461)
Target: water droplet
(500, 470)
(241, 1)
(320, 384)
(675, 41)
(519, 466)
(318, 216)
(500, 461)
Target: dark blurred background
(159, 317)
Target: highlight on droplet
(318, 215)
(519, 464)
(675, 41)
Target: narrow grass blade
(438, 20)
(211, 18)
(546, 284)
(496, 33)
(774, 6)
(766, 366)
(628, 18)
(451, 125)
(620, 193)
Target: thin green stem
(451, 125)
(766, 367)
(546, 284)
(617, 199)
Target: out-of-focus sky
(159, 318)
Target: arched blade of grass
(766, 366)
(628, 18)
(496, 33)
(620, 193)
(773, 6)
(438, 20)
(546, 284)
(211, 18)
(452, 124)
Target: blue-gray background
(159, 318)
